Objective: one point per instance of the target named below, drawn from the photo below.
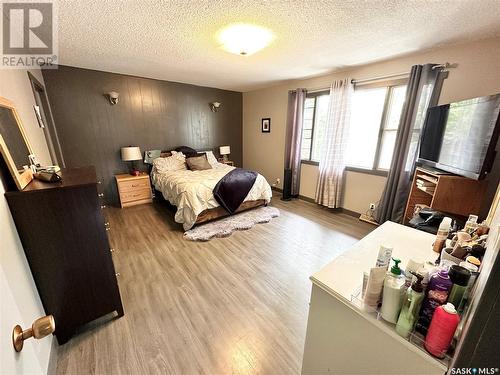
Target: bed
(191, 192)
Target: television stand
(435, 171)
(447, 193)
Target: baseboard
(350, 213)
(277, 189)
(368, 219)
(307, 199)
(54, 351)
(337, 210)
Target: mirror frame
(24, 177)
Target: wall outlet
(277, 182)
(372, 206)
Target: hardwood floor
(236, 305)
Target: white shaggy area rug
(224, 227)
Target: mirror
(13, 138)
(14, 145)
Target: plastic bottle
(471, 224)
(437, 294)
(384, 257)
(441, 331)
(411, 307)
(442, 235)
(392, 294)
(459, 276)
(473, 276)
(411, 268)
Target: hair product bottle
(473, 277)
(441, 331)
(459, 276)
(391, 296)
(437, 294)
(412, 267)
(411, 307)
(442, 235)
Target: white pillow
(212, 160)
(176, 162)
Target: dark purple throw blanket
(233, 188)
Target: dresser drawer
(136, 194)
(134, 185)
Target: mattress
(192, 191)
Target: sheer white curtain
(332, 161)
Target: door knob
(40, 328)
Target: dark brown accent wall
(150, 113)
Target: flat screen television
(461, 137)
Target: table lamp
(131, 153)
(225, 151)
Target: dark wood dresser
(62, 229)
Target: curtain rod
(444, 66)
(387, 76)
(359, 81)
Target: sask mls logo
(29, 34)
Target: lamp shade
(131, 153)
(224, 150)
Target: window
(366, 112)
(314, 123)
(375, 115)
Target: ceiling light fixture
(244, 39)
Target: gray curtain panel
(424, 87)
(293, 140)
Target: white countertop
(342, 277)
(344, 274)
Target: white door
(19, 303)
(25, 362)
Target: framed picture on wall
(266, 125)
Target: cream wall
(477, 74)
(19, 300)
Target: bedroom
(206, 297)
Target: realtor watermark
(474, 371)
(29, 34)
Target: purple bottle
(438, 290)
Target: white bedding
(192, 191)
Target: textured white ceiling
(175, 40)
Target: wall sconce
(214, 106)
(112, 97)
(41, 327)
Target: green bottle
(411, 307)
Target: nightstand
(228, 162)
(133, 189)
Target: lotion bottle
(392, 295)
(411, 307)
